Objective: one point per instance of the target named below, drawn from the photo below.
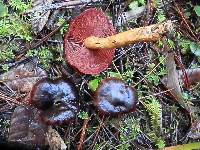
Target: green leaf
(197, 10)
(195, 48)
(161, 17)
(83, 115)
(142, 2)
(133, 5)
(160, 143)
(151, 66)
(93, 84)
(114, 74)
(154, 79)
(3, 10)
(185, 44)
(187, 14)
(5, 67)
(171, 43)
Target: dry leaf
(23, 77)
(173, 81)
(193, 76)
(54, 140)
(172, 77)
(26, 127)
(130, 15)
(40, 18)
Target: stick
(68, 4)
(80, 145)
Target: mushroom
(90, 41)
(57, 100)
(114, 97)
(85, 25)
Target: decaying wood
(143, 34)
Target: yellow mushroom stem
(150, 33)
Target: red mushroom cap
(91, 22)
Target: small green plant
(83, 115)
(153, 107)
(128, 132)
(195, 48)
(136, 3)
(98, 146)
(5, 67)
(154, 76)
(160, 12)
(19, 5)
(44, 55)
(126, 76)
(114, 74)
(159, 142)
(171, 44)
(6, 55)
(154, 79)
(14, 24)
(64, 28)
(188, 46)
(187, 96)
(3, 10)
(184, 45)
(94, 83)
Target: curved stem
(143, 34)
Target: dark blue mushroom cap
(114, 97)
(57, 99)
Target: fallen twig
(68, 4)
(180, 13)
(82, 136)
(38, 43)
(9, 100)
(97, 132)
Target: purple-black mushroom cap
(114, 97)
(57, 99)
